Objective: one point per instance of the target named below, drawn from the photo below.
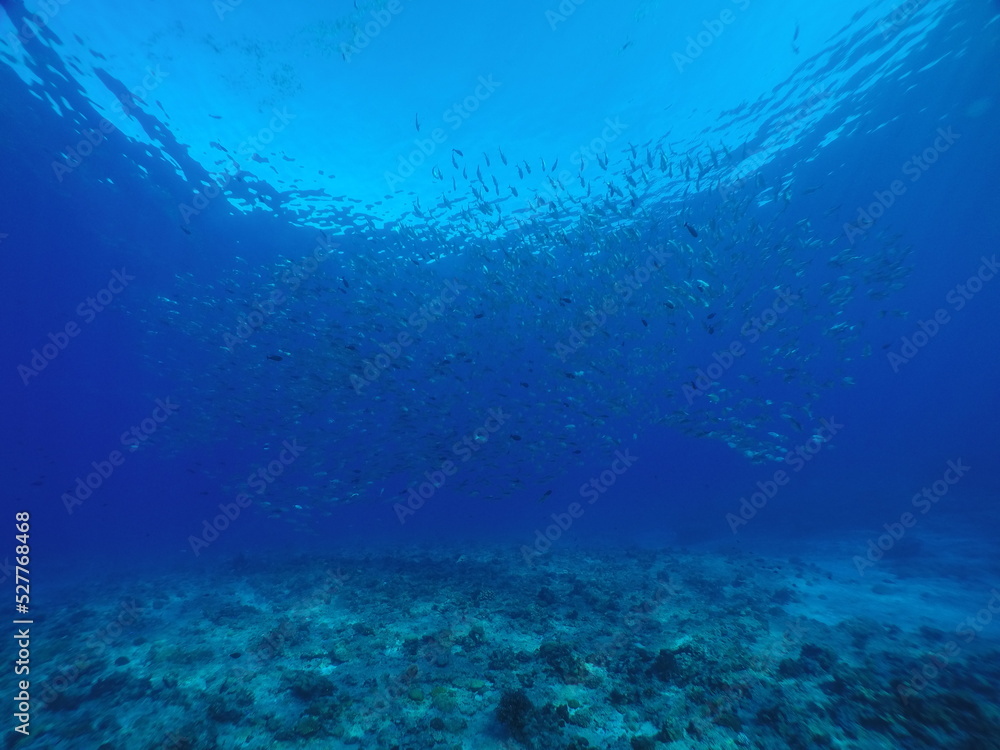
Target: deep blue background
(63, 241)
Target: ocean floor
(471, 648)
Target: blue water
(400, 321)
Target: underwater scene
(547, 375)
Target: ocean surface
(549, 374)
